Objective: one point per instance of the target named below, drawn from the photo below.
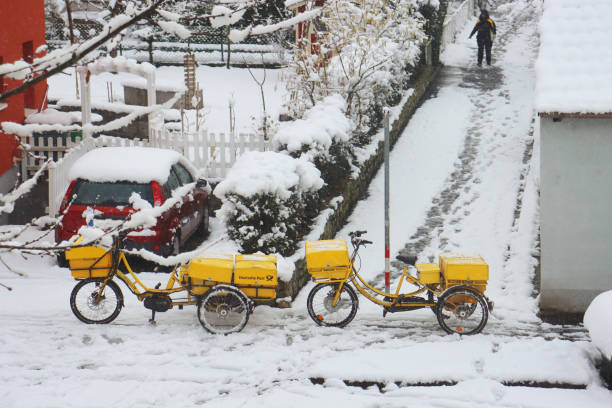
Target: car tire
(204, 227)
(62, 262)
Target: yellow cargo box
(255, 270)
(208, 270)
(428, 273)
(328, 259)
(457, 267)
(89, 262)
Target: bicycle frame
(137, 287)
(365, 288)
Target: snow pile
(137, 164)
(323, 124)
(573, 67)
(224, 16)
(121, 64)
(597, 320)
(269, 173)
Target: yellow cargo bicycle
(453, 288)
(225, 288)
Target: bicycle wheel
(462, 310)
(223, 310)
(92, 307)
(322, 311)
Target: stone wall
(355, 188)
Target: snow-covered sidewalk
(281, 359)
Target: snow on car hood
(136, 164)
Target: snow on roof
(137, 164)
(575, 59)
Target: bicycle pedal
(384, 313)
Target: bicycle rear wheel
(462, 310)
(324, 313)
(91, 306)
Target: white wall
(576, 212)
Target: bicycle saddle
(407, 259)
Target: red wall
(21, 21)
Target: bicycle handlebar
(357, 233)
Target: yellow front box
(456, 267)
(328, 259)
(428, 273)
(89, 262)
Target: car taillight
(66, 199)
(158, 194)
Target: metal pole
(387, 245)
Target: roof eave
(581, 115)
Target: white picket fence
(216, 153)
(454, 23)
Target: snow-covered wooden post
(84, 74)
(151, 98)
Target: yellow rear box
(460, 269)
(428, 273)
(89, 262)
(328, 259)
(207, 271)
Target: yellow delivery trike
(225, 288)
(453, 288)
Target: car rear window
(109, 194)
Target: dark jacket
(485, 27)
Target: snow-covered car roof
(573, 67)
(136, 164)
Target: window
(2, 84)
(183, 174)
(110, 194)
(29, 101)
(172, 184)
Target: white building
(574, 103)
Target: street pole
(387, 244)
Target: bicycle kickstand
(152, 319)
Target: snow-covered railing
(215, 152)
(454, 23)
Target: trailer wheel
(223, 310)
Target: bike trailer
(255, 275)
(89, 262)
(328, 259)
(458, 269)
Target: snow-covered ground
(471, 137)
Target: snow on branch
(61, 59)
(10, 198)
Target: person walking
(486, 32)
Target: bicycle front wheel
(324, 313)
(462, 310)
(94, 306)
(223, 310)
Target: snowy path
(281, 359)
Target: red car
(102, 184)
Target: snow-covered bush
(597, 321)
(269, 201)
(367, 51)
(321, 137)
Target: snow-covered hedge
(322, 137)
(268, 200)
